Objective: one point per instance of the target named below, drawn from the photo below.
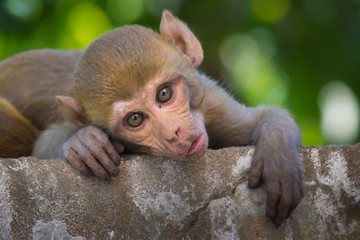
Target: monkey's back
(30, 80)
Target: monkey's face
(141, 87)
(159, 120)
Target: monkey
(135, 90)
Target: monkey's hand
(90, 151)
(277, 164)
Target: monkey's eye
(135, 120)
(164, 94)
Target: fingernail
(115, 172)
(117, 162)
(252, 184)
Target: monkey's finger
(273, 197)
(255, 172)
(103, 158)
(112, 152)
(296, 200)
(282, 215)
(92, 163)
(285, 203)
(97, 148)
(118, 146)
(100, 138)
(74, 160)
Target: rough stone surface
(159, 198)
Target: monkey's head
(141, 88)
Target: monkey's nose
(177, 132)
(176, 136)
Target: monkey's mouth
(196, 145)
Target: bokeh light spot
(87, 22)
(339, 113)
(125, 11)
(270, 10)
(248, 58)
(24, 9)
(310, 130)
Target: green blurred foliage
(277, 52)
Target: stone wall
(158, 198)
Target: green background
(301, 55)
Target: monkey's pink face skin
(159, 121)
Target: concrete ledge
(158, 198)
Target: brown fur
(17, 132)
(120, 74)
(114, 68)
(30, 81)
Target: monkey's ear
(72, 111)
(176, 32)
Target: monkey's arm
(87, 149)
(230, 123)
(49, 144)
(276, 136)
